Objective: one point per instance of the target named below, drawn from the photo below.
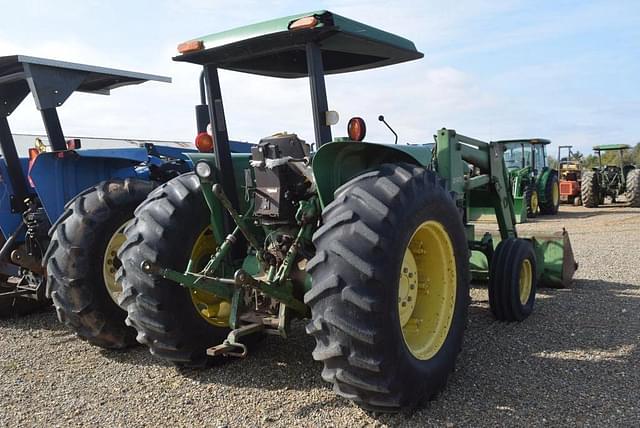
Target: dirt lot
(576, 361)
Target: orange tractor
(570, 172)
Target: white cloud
(541, 97)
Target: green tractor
(534, 185)
(611, 179)
(369, 242)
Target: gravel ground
(575, 361)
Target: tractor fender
(336, 163)
(58, 177)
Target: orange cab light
(356, 129)
(190, 46)
(204, 142)
(304, 23)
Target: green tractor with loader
(611, 179)
(534, 184)
(368, 242)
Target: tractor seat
(571, 176)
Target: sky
(564, 70)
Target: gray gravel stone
(575, 361)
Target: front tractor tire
(589, 190)
(512, 280)
(390, 290)
(81, 261)
(632, 193)
(532, 201)
(171, 229)
(551, 202)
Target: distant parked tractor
(534, 185)
(570, 172)
(63, 208)
(36, 190)
(611, 179)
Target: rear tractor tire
(512, 280)
(551, 202)
(81, 261)
(390, 290)
(633, 188)
(590, 191)
(171, 228)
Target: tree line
(631, 156)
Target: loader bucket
(556, 264)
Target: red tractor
(570, 172)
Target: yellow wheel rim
(555, 193)
(111, 263)
(526, 279)
(534, 202)
(427, 290)
(210, 307)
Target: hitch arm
(221, 287)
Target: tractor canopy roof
(277, 48)
(542, 141)
(51, 82)
(605, 147)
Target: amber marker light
(204, 142)
(190, 46)
(304, 23)
(356, 129)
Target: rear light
(331, 117)
(356, 129)
(304, 23)
(190, 46)
(204, 142)
(203, 169)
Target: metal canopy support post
(202, 109)
(14, 167)
(223, 153)
(319, 104)
(220, 135)
(54, 129)
(534, 152)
